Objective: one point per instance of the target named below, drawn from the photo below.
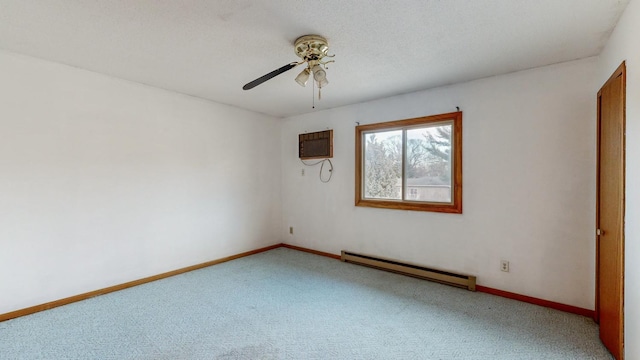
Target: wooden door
(610, 212)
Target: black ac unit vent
(316, 145)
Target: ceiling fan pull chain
(313, 95)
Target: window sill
(413, 206)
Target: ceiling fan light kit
(319, 74)
(311, 49)
(303, 77)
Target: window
(413, 164)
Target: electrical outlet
(504, 265)
(291, 230)
(302, 172)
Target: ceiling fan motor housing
(311, 47)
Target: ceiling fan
(311, 49)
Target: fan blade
(270, 75)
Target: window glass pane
(383, 165)
(428, 164)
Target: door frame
(620, 71)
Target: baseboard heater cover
(445, 277)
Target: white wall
(624, 45)
(528, 179)
(104, 181)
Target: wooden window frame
(455, 206)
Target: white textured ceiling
(211, 48)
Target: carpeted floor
(285, 304)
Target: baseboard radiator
(445, 277)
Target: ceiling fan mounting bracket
(311, 47)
